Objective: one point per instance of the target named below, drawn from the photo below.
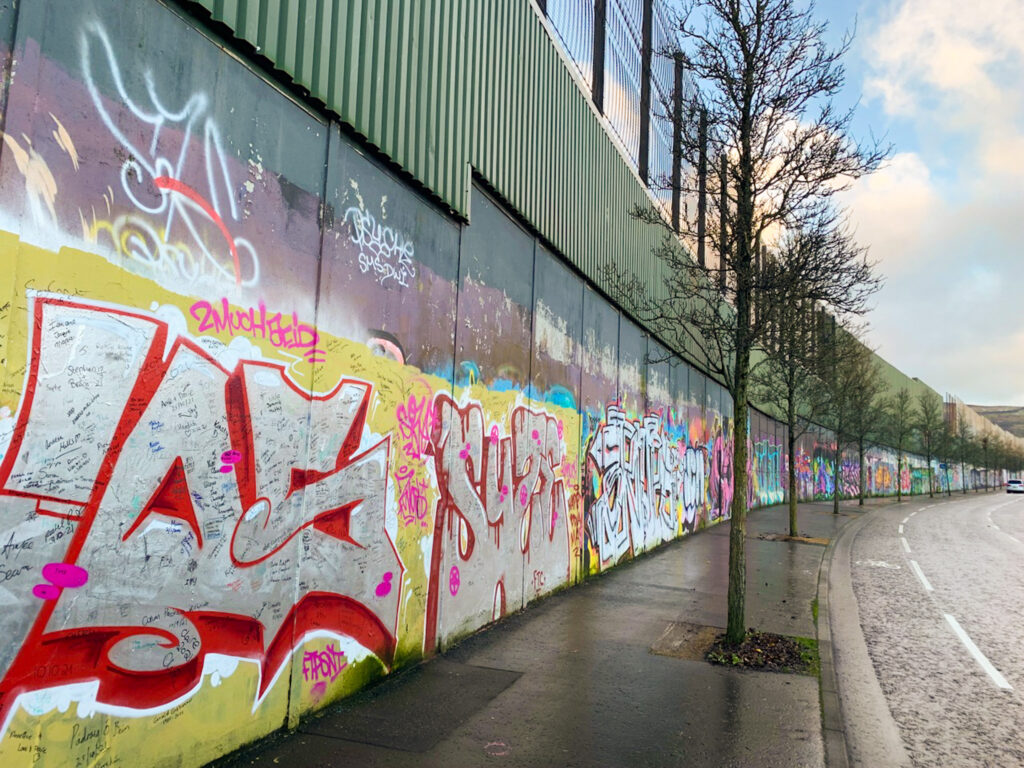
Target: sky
(943, 81)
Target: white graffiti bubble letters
(647, 482)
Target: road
(939, 589)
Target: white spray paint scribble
(382, 249)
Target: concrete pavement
(572, 680)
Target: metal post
(723, 234)
(644, 150)
(600, 34)
(812, 330)
(677, 140)
(702, 184)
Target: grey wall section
(272, 424)
(445, 86)
(365, 288)
(557, 367)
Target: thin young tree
(927, 424)
(766, 80)
(963, 448)
(849, 386)
(899, 428)
(985, 443)
(866, 413)
(789, 377)
(947, 448)
(1002, 458)
(979, 458)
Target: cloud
(948, 55)
(1003, 361)
(945, 218)
(892, 212)
(953, 70)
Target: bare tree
(979, 458)
(789, 378)
(899, 428)
(766, 79)
(964, 438)
(865, 412)
(1004, 457)
(946, 448)
(984, 442)
(850, 386)
(927, 422)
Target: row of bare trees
(765, 115)
(768, 287)
(816, 372)
(922, 425)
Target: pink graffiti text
(415, 425)
(282, 331)
(323, 665)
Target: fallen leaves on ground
(767, 652)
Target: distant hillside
(1009, 417)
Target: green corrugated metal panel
(442, 85)
(391, 70)
(895, 379)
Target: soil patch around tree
(798, 539)
(767, 652)
(762, 651)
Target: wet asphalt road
(930, 577)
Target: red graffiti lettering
(176, 185)
(503, 506)
(162, 558)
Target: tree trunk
(899, 476)
(838, 473)
(735, 629)
(860, 480)
(931, 479)
(791, 470)
(736, 626)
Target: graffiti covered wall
(271, 425)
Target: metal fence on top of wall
(620, 50)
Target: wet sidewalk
(572, 680)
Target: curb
(833, 726)
(833, 729)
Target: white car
(1015, 486)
